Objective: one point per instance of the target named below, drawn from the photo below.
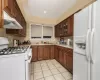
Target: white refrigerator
(86, 60)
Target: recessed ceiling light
(45, 12)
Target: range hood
(11, 23)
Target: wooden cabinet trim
(65, 28)
(12, 8)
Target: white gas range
(14, 61)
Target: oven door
(28, 65)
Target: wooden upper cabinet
(5, 5)
(56, 31)
(2, 6)
(0, 13)
(8, 4)
(70, 24)
(14, 11)
(64, 28)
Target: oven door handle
(29, 59)
(30, 55)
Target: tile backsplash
(65, 40)
(10, 37)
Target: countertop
(66, 46)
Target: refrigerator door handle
(87, 45)
(92, 41)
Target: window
(41, 32)
(36, 31)
(47, 32)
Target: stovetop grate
(14, 50)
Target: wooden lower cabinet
(40, 52)
(65, 59)
(70, 64)
(56, 55)
(70, 61)
(63, 55)
(46, 54)
(52, 52)
(34, 53)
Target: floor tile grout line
(45, 70)
(49, 69)
(40, 67)
(42, 71)
(63, 72)
(51, 72)
(60, 72)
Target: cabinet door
(0, 13)
(65, 28)
(34, 53)
(15, 10)
(56, 31)
(66, 60)
(70, 25)
(70, 64)
(40, 52)
(2, 6)
(52, 52)
(56, 53)
(9, 6)
(61, 56)
(70, 60)
(22, 32)
(46, 52)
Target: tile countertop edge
(66, 46)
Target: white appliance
(86, 62)
(14, 61)
(15, 43)
(28, 65)
(10, 23)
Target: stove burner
(14, 50)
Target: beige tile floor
(49, 70)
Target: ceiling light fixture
(45, 12)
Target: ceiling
(47, 8)
(56, 10)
